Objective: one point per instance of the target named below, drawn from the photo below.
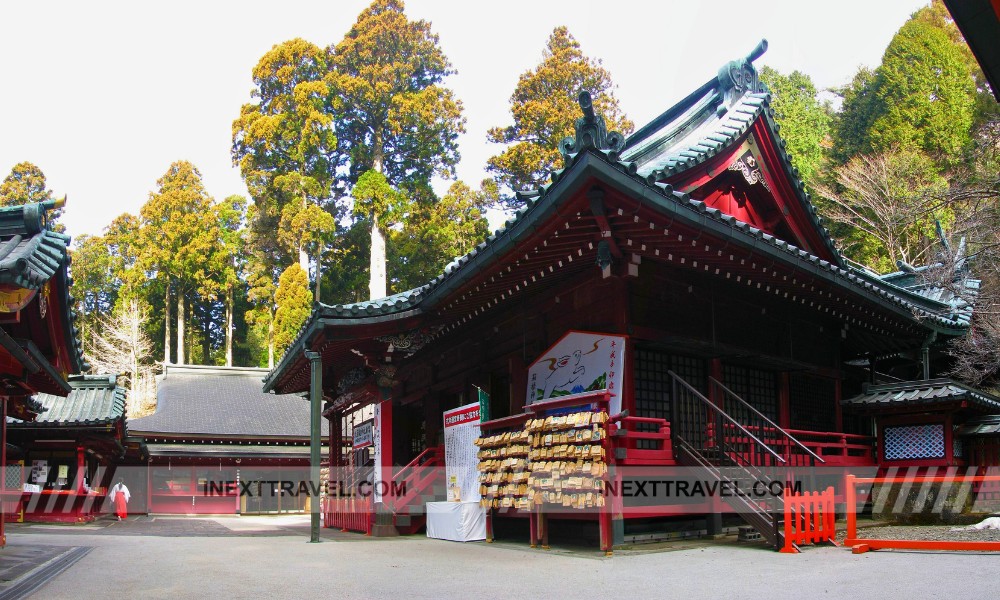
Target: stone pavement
(171, 557)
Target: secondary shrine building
(742, 336)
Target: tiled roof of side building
(222, 401)
(95, 400)
(921, 393)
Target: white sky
(103, 96)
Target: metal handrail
(733, 395)
(724, 415)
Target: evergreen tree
(805, 122)
(394, 115)
(293, 304)
(286, 148)
(544, 107)
(180, 241)
(435, 234)
(921, 98)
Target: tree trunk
(270, 342)
(206, 340)
(180, 327)
(229, 326)
(319, 273)
(376, 265)
(376, 285)
(167, 327)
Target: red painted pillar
(385, 443)
(81, 468)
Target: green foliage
(927, 93)
(394, 114)
(294, 303)
(435, 234)
(180, 234)
(544, 108)
(25, 184)
(345, 274)
(922, 97)
(805, 122)
(285, 144)
(374, 196)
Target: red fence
(349, 514)
(809, 519)
(860, 545)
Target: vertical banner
(484, 405)
(580, 362)
(461, 428)
(382, 450)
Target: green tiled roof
(921, 394)
(95, 400)
(31, 254)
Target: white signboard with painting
(580, 362)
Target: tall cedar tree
(393, 114)
(544, 107)
(286, 148)
(294, 302)
(181, 242)
(805, 122)
(922, 97)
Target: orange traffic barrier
(860, 545)
(809, 519)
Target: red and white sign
(461, 428)
(364, 434)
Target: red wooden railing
(418, 475)
(350, 514)
(625, 433)
(833, 448)
(809, 519)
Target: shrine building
(734, 334)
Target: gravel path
(925, 532)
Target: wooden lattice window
(652, 382)
(913, 442)
(812, 402)
(759, 388)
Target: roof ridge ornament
(591, 132)
(738, 77)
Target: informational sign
(39, 471)
(364, 433)
(580, 362)
(461, 429)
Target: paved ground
(168, 557)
